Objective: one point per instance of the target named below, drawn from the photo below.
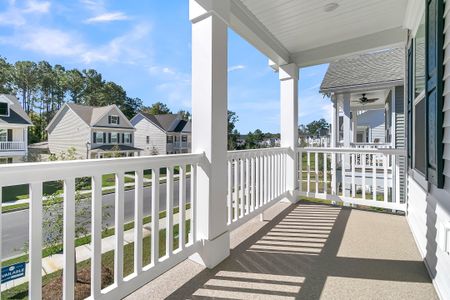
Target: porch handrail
(12, 146)
(35, 174)
(391, 151)
(256, 180)
(363, 176)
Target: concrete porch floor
(307, 251)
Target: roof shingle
(379, 67)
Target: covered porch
(222, 249)
(307, 251)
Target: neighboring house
(368, 91)
(14, 123)
(94, 132)
(162, 134)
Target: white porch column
(289, 122)
(354, 125)
(334, 122)
(346, 126)
(209, 126)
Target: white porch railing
(369, 177)
(12, 146)
(256, 180)
(35, 174)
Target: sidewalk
(55, 262)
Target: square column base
(291, 197)
(213, 252)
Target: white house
(94, 132)
(162, 134)
(14, 123)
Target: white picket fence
(256, 180)
(367, 176)
(12, 146)
(35, 174)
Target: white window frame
(116, 118)
(5, 132)
(127, 137)
(114, 135)
(97, 134)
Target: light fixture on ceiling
(330, 7)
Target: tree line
(43, 89)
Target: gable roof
(90, 114)
(16, 113)
(377, 68)
(165, 122)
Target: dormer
(5, 105)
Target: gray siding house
(162, 134)
(14, 123)
(94, 132)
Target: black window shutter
(10, 135)
(109, 137)
(123, 137)
(109, 119)
(410, 104)
(434, 59)
(95, 137)
(131, 138)
(118, 120)
(104, 137)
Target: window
(98, 138)
(3, 135)
(184, 138)
(127, 137)
(148, 139)
(169, 139)
(114, 138)
(425, 95)
(114, 120)
(4, 109)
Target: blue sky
(145, 47)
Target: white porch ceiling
(311, 35)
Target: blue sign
(13, 272)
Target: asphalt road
(15, 224)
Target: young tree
(53, 222)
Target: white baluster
(155, 215)
(69, 239)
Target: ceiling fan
(365, 100)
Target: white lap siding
(69, 132)
(157, 138)
(428, 211)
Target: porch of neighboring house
(307, 251)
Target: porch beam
(239, 18)
(331, 52)
(288, 75)
(209, 126)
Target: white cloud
(37, 7)
(236, 68)
(127, 48)
(17, 16)
(174, 86)
(108, 17)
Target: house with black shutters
(94, 132)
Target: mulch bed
(53, 289)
